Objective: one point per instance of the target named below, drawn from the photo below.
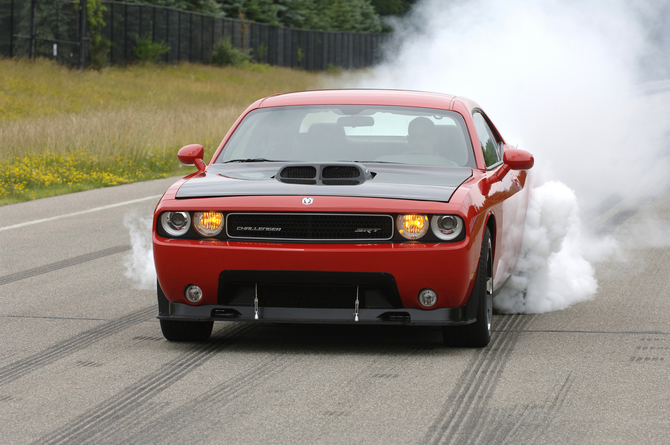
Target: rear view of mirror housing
(515, 159)
(192, 155)
(518, 159)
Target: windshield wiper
(252, 160)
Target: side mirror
(514, 159)
(518, 159)
(192, 155)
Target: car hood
(395, 181)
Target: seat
(322, 142)
(451, 144)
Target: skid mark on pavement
(533, 420)
(165, 421)
(464, 410)
(22, 367)
(171, 426)
(133, 401)
(62, 264)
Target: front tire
(186, 330)
(477, 334)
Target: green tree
(232, 8)
(210, 7)
(366, 18)
(329, 15)
(392, 7)
(341, 15)
(332, 15)
(314, 17)
(263, 11)
(291, 13)
(354, 16)
(98, 46)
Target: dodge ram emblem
(307, 201)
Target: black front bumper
(435, 317)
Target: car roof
(404, 98)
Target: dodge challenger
(344, 206)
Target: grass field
(62, 130)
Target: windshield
(351, 133)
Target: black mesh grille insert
(309, 226)
(299, 172)
(340, 172)
(314, 296)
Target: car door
(508, 198)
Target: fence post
(178, 36)
(82, 33)
(11, 30)
(31, 50)
(190, 37)
(167, 33)
(125, 32)
(111, 34)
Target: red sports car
(344, 206)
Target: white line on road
(82, 212)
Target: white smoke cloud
(140, 262)
(552, 272)
(559, 78)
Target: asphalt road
(82, 358)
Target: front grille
(308, 289)
(309, 226)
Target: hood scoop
(340, 173)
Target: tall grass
(59, 126)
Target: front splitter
(435, 317)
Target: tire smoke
(140, 262)
(552, 272)
(561, 78)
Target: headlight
(176, 223)
(412, 226)
(446, 227)
(208, 223)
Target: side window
(490, 146)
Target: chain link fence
(42, 28)
(54, 29)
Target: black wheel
(186, 330)
(477, 334)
